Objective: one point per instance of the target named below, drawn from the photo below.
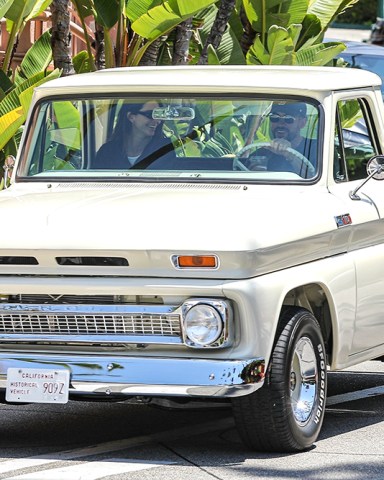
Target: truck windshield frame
(229, 138)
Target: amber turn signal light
(196, 261)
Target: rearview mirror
(173, 113)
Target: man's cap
(297, 109)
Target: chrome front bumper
(106, 376)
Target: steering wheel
(239, 165)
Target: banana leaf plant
(108, 14)
(158, 19)
(148, 20)
(17, 14)
(229, 51)
(290, 32)
(16, 96)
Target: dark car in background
(365, 56)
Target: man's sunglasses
(146, 113)
(285, 118)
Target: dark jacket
(278, 163)
(159, 155)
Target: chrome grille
(62, 299)
(95, 320)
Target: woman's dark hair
(122, 130)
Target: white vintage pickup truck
(196, 233)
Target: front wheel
(286, 414)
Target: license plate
(37, 385)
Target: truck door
(355, 143)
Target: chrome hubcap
(303, 380)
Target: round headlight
(203, 324)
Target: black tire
(271, 419)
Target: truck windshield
(227, 138)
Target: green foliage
(349, 113)
(229, 51)
(328, 10)
(290, 32)
(263, 14)
(107, 12)
(16, 96)
(36, 59)
(281, 49)
(149, 19)
(18, 13)
(15, 105)
(81, 62)
(217, 146)
(4, 7)
(5, 84)
(136, 8)
(21, 11)
(162, 18)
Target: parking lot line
(116, 445)
(91, 470)
(352, 396)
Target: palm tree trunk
(61, 37)
(218, 28)
(152, 53)
(99, 47)
(181, 45)
(249, 34)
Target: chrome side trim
(78, 309)
(147, 376)
(91, 339)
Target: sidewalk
(341, 34)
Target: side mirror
(9, 164)
(375, 169)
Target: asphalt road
(92, 441)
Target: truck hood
(246, 226)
